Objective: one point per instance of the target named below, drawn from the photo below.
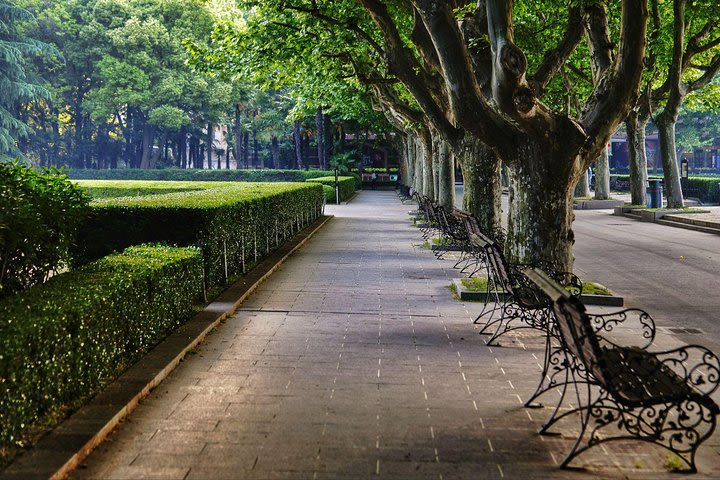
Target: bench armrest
(632, 317)
(699, 366)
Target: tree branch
(403, 64)
(616, 92)
(555, 58)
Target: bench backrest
(573, 323)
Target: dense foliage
(346, 186)
(39, 215)
(18, 86)
(234, 225)
(61, 341)
(118, 91)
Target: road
(672, 273)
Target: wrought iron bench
(524, 305)
(629, 392)
(404, 192)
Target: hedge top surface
(329, 179)
(156, 184)
(225, 195)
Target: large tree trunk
(402, 150)
(419, 162)
(481, 184)
(409, 178)
(671, 170)
(540, 216)
(582, 189)
(637, 158)
(446, 176)
(602, 176)
(427, 166)
(436, 140)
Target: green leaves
(39, 215)
(234, 224)
(61, 341)
(16, 84)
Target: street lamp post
(337, 188)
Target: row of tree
(537, 86)
(106, 83)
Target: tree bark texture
(671, 170)
(540, 216)
(446, 176)
(481, 183)
(436, 167)
(427, 166)
(637, 159)
(582, 189)
(419, 166)
(602, 176)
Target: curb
(62, 450)
(595, 300)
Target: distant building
(620, 155)
(701, 159)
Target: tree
(17, 84)
(683, 57)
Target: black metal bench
(628, 392)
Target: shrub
(179, 174)
(61, 341)
(329, 193)
(703, 187)
(39, 215)
(346, 186)
(137, 188)
(233, 225)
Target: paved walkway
(353, 361)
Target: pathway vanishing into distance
(354, 361)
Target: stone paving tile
(353, 361)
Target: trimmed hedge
(704, 188)
(62, 340)
(39, 213)
(346, 186)
(138, 188)
(234, 225)
(192, 175)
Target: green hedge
(191, 175)
(346, 186)
(39, 213)
(234, 225)
(704, 188)
(139, 188)
(61, 341)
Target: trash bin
(655, 194)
